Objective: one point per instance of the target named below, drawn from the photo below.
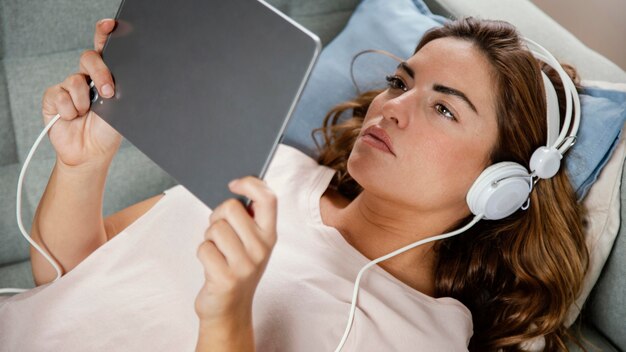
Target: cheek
(446, 167)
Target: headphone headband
(572, 100)
(545, 162)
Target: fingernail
(107, 90)
(232, 183)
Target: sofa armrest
(537, 25)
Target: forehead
(458, 64)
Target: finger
(92, 65)
(213, 262)
(76, 85)
(103, 28)
(264, 201)
(231, 247)
(48, 102)
(233, 212)
(62, 104)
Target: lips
(379, 134)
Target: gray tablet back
(205, 88)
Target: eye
(445, 112)
(395, 82)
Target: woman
(470, 96)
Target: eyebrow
(440, 88)
(403, 65)
(451, 91)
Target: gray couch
(40, 43)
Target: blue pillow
(603, 113)
(397, 26)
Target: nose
(397, 109)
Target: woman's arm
(237, 247)
(226, 335)
(83, 193)
(68, 222)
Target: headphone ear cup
(499, 191)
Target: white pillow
(603, 206)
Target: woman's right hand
(80, 136)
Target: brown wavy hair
(519, 275)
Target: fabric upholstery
(13, 248)
(591, 339)
(603, 113)
(17, 275)
(34, 28)
(607, 304)
(534, 23)
(7, 134)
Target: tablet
(205, 88)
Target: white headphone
(504, 187)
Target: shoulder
(288, 156)
(292, 165)
(432, 324)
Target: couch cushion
(607, 306)
(13, 247)
(17, 275)
(7, 135)
(323, 17)
(1, 32)
(27, 79)
(325, 21)
(535, 24)
(591, 339)
(39, 27)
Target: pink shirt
(137, 291)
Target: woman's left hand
(235, 253)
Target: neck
(376, 227)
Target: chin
(366, 170)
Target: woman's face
(439, 115)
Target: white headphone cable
(355, 293)
(18, 207)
